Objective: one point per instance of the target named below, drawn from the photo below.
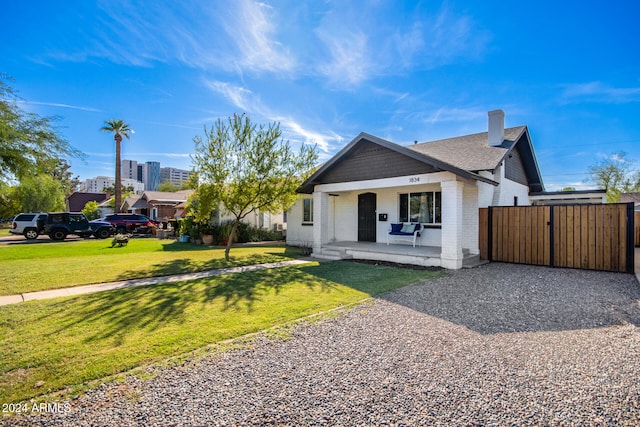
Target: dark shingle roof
(630, 197)
(470, 152)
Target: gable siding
(514, 169)
(372, 161)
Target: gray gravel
(496, 345)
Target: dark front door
(367, 217)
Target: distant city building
(138, 187)
(141, 176)
(174, 175)
(99, 183)
(150, 175)
(129, 170)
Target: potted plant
(185, 226)
(207, 234)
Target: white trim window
(424, 207)
(307, 211)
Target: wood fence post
(550, 224)
(630, 238)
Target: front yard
(64, 343)
(42, 266)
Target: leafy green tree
(612, 175)
(59, 169)
(9, 205)
(91, 210)
(246, 168)
(119, 129)
(27, 141)
(569, 189)
(40, 193)
(168, 186)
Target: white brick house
(346, 207)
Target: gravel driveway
(497, 345)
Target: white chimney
(496, 127)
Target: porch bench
(404, 231)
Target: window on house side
(307, 210)
(424, 207)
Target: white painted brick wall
(452, 204)
(297, 234)
(470, 219)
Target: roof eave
(307, 186)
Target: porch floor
(394, 249)
(403, 254)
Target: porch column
(320, 219)
(452, 202)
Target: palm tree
(119, 128)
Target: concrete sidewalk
(100, 287)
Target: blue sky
(327, 70)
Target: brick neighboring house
(76, 201)
(158, 205)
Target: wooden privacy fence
(594, 237)
(637, 228)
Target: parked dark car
(58, 225)
(130, 223)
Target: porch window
(307, 210)
(425, 207)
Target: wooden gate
(594, 237)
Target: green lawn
(66, 342)
(74, 263)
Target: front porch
(425, 256)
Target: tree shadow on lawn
(188, 265)
(118, 312)
(504, 298)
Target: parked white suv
(30, 225)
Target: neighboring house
(257, 219)
(354, 197)
(105, 208)
(631, 198)
(76, 201)
(158, 205)
(575, 197)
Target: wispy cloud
(230, 36)
(359, 48)
(600, 92)
(245, 100)
(250, 27)
(446, 114)
(236, 95)
(326, 142)
(55, 104)
(348, 63)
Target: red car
(130, 223)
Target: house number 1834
(414, 179)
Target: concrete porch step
(331, 254)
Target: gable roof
(473, 153)
(430, 163)
(167, 196)
(77, 200)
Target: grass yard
(51, 345)
(74, 263)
